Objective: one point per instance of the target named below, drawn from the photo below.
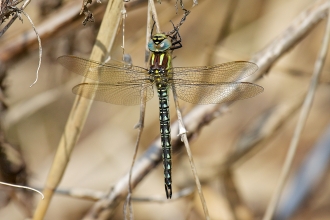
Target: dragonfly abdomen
(165, 135)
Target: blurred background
(33, 119)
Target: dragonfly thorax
(159, 76)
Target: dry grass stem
(154, 15)
(79, 112)
(183, 135)
(301, 121)
(151, 11)
(140, 126)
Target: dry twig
(94, 195)
(89, 17)
(184, 139)
(49, 27)
(8, 9)
(17, 12)
(23, 187)
(152, 17)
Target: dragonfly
(124, 84)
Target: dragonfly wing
(217, 93)
(111, 72)
(225, 72)
(118, 94)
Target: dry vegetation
(239, 150)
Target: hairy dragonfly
(122, 84)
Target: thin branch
(15, 16)
(18, 12)
(48, 28)
(154, 15)
(140, 126)
(23, 187)
(177, 27)
(301, 122)
(195, 2)
(39, 44)
(123, 19)
(3, 31)
(89, 17)
(160, 199)
(148, 34)
(183, 134)
(94, 195)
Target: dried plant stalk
(184, 139)
(80, 109)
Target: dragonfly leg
(175, 39)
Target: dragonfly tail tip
(168, 190)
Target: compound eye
(165, 44)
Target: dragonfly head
(159, 43)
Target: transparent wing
(118, 94)
(216, 93)
(111, 72)
(225, 72)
